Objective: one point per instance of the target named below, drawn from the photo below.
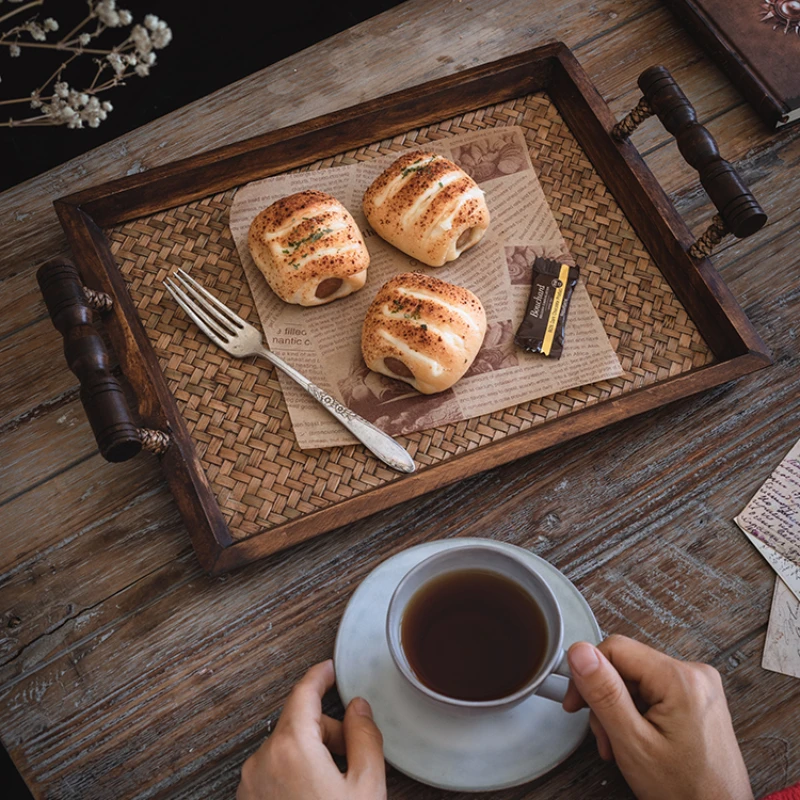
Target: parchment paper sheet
(324, 342)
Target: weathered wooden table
(126, 672)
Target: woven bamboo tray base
(235, 410)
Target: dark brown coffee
(473, 635)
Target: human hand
(295, 762)
(682, 746)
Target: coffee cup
(476, 627)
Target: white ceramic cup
(550, 680)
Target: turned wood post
(70, 305)
(739, 211)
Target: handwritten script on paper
(771, 521)
(773, 515)
(788, 571)
(324, 342)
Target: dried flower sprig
(63, 104)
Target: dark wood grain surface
(126, 672)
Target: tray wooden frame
(736, 346)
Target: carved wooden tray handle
(70, 305)
(739, 212)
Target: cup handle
(554, 686)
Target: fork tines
(214, 318)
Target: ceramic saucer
(447, 748)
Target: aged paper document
(324, 342)
(771, 521)
(782, 647)
(773, 515)
(787, 571)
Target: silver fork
(240, 339)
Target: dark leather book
(757, 44)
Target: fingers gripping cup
(475, 627)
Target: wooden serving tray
(243, 486)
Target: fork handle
(374, 439)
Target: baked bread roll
(309, 248)
(423, 331)
(427, 207)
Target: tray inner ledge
(235, 409)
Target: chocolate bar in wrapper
(542, 329)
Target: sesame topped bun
(423, 331)
(309, 248)
(428, 207)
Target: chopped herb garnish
(414, 314)
(441, 185)
(424, 326)
(310, 239)
(397, 306)
(413, 168)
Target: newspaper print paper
(324, 342)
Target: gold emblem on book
(782, 14)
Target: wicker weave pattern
(235, 409)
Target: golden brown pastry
(309, 248)
(423, 331)
(427, 207)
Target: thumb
(364, 745)
(604, 691)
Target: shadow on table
(13, 786)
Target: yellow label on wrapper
(555, 310)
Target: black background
(213, 44)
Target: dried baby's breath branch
(48, 46)
(66, 38)
(133, 56)
(20, 10)
(57, 72)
